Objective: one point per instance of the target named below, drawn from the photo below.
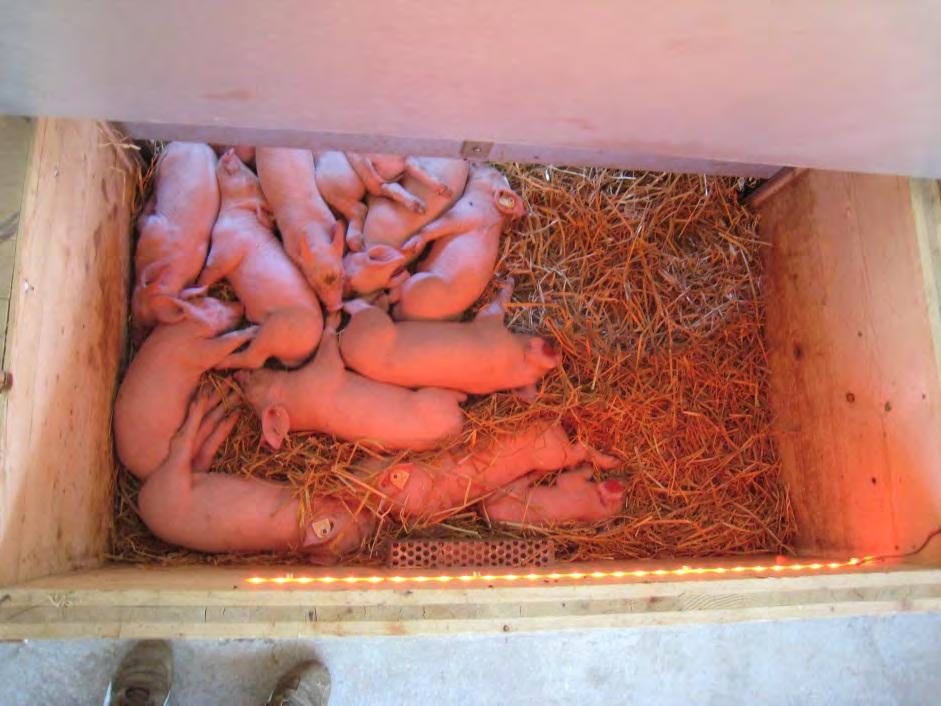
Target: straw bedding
(652, 286)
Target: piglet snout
(230, 161)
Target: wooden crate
(854, 326)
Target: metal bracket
(476, 150)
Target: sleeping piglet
(345, 178)
(480, 356)
(312, 237)
(217, 512)
(161, 378)
(467, 240)
(390, 223)
(574, 498)
(324, 396)
(246, 253)
(430, 489)
(174, 229)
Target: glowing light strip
(562, 575)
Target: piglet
(246, 253)
(479, 357)
(323, 396)
(312, 237)
(574, 498)
(390, 223)
(160, 380)
(173, 231)
(467, 239)
(216, 512)
(450, 482)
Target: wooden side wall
(853, 330)
(64, 346)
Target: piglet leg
(395, 285)
(398, 193)
(221, 262)
(495, 309)
(451, 222)
(174, 477)
(282, 334)
(414, 169)
(360, 304)
(366, 171)
(213, 430)
(213, 350)
(574, 498)
(203, 457)
(355, 214)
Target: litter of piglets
(332, 350)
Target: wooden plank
(926, 210)
(64, 348)
(123, 602)
(16, 136)
(611, 157)
(852, 327)
(842, 84)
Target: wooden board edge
(28, 613)
(926, 211)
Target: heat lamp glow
(851, 563)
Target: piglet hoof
(354, 306)
(598, 459)
(332, 322)
(413, 245)
(527, 393)
(355, 242)
(416, 206)
(382, 301)
(194, 292)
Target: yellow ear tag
(399, 477)
(322, 528)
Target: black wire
(921, 547)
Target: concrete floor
(891, 660)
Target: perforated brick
(446, 553)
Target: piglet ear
(339, 239)
(264, 215)
(168, 309)
(509, 204)
(153, 273)
(230, 161)
(384, 254)
(275, 424)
